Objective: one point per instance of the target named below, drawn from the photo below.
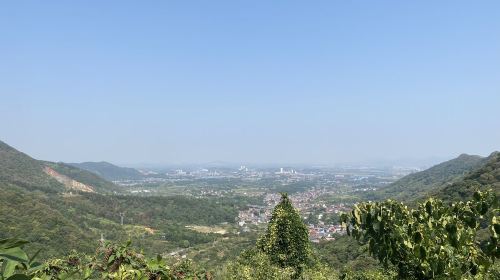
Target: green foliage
(33, 216)
(254, 264)
(58, 223)
(213, 255)
(109, 262)
(432, 241)
(286, 241)
(14, 260)
(484, 177)
(19, 169)
(283, 252)
(109, 171)
(417, 185)
(369, 274)
(83, 176)
(312, 218)
(344, 254)
(435, 240)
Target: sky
(249, 81)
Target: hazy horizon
(252, 82)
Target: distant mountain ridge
(68, 182)
(487, 176)
(31, 191)
(109, 171)
(419, 184)
(19, 169)
(59, 207)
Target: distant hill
(58, 207)
(487, 176)
(28, 192)
(83, 176)
(109, 171)
(21, 170)
(418, 185)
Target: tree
(312, 219)
(109, 262)
(256, 265)
(13, 259)
(286, 240)
(432, 241)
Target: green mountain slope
(21, 170)
(31, 215)
(29, 194)
(49, 204)
(86, 177)
(417, 185)
(486, 176)
(109, 171)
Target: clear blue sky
(249, 81)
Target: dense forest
(432, 241)
(486, 176)
(418, 185)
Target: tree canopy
(286, 240)
(433, 241)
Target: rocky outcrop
(68, 182)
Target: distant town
(317, 193)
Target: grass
(207, 229)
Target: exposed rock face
(68, 182)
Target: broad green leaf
(8, 268)
(15, 254)
(19, 277)
(12, 243)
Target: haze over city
(235, 81)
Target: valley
(210, 215)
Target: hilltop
(21, 170)
(419, 184)
(487, 176)
(58, 207)
(109, 171)
(33, 190)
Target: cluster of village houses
(305, 203)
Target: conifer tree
(286, 241)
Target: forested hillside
(432, 241)
(86, 177)
(49, 205)
(55, 215)
(486, 176)
(59, 223)
(32, 216)
(109, 171)
(417, 185)
(23, 171)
